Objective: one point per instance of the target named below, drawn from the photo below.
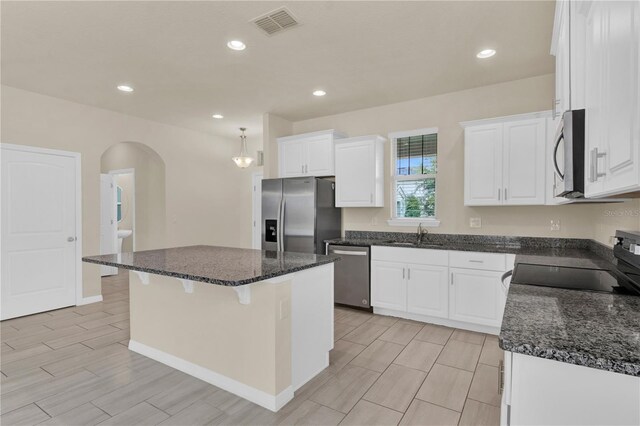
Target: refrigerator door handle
(281, 226)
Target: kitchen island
(256, 323)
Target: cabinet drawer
(410, 255)
(475, 260)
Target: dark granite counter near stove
(598, 330)
(215, 265)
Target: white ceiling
(174, 53)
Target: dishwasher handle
(349, 253)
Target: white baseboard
(440, 321)
(270, 402)
(90, 299)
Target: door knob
(71, 239)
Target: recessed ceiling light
(236, 45)
(319, 93)
(218, 116)
(486, 53)
(125, 88)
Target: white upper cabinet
(504, 161)
(309, 154)
(524, 169)
(483, 165)
(359, 163)
(568, 46)
(561, 49)
(612, 97)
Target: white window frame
(406, 221)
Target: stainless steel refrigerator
(298, 214)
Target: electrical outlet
(555, 224)
(475, 222)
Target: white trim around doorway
(133, 201)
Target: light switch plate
(475, 222)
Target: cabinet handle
(306, 168)
(452, 278)
(554, 107)
(505, 194)
(499, 194)
(594, 175)
(408, 273)
(476, 261)
(302, 168)
(403, 273)
(500, 377)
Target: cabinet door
(292, 154)
(355, 174)
(524, 162)
(388, 285)
(319, 159)
(428, 290)
(594, 89)
(612, 74)
(563, 80)
(622, 75)
(474, 296)
(483, 165)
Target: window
(414, 174)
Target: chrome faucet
(421, 232)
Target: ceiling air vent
(275, 21)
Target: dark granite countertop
(456, 245)
(598, 330)
(215, 265)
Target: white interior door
(39, 241)
(108, 222)
(257, 211)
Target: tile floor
(72, 367)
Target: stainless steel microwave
(568, 156)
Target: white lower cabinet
(541, 391)
(388, 285)
(476, 296)
(430, 286)
(427, 290)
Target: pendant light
(243, 160)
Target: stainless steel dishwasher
(351, 275)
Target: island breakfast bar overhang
(262, 330)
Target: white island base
(260, 341)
